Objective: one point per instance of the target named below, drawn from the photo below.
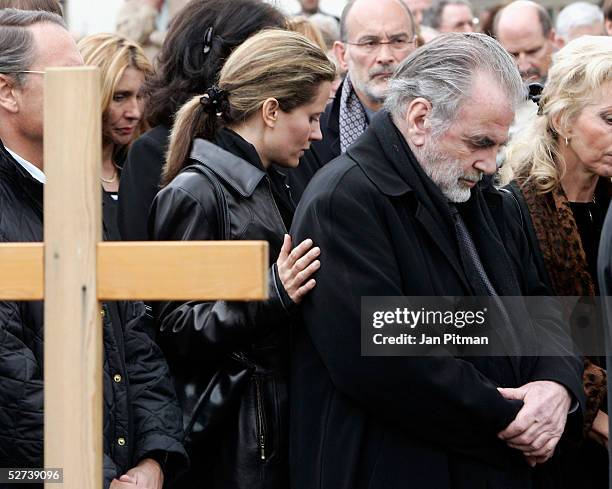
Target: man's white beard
(374, 92)
(445, 172)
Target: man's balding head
(524, 28)
(376, 35)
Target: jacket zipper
(261, 421)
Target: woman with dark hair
(229, 360)
(200, 39)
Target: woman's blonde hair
(113, 54)
(271, 64)
(302, 25)
(577, 73)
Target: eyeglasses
(372, 45)
(23, 71)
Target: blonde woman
(229, 359)
(124, 68)
(561, 165)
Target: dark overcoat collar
(386, 159)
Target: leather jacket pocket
(261, 422)
(271, 412)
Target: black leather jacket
(248, 448)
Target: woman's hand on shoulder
(296, 267)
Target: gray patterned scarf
(353, 119)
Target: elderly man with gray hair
(579, 19)
(402, 213)
(376, 35)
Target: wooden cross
(79, 271)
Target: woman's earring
(566, 142)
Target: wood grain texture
(21, 271)
(182, 270)
(73, 330)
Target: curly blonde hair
(577, 73)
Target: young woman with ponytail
(199, 40)
(229, 359)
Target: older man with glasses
(376, 35)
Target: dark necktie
(475, 271)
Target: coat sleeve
(228, 325)
(139, 184)
(110, 470)
(444, 400)
(21, 387)
(156, 414)
(560, 364)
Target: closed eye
(481, 143)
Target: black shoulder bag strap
(223, 219)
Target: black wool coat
(140, 406)
(405, 422)
(604, 275)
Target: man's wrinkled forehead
(378, 18)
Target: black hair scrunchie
(215, 102)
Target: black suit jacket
(397, 422)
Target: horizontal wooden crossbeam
(188, 270)
(199, 270)
(21, 271)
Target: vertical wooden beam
(73, 331)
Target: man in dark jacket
(376, 35)
(604, 274)
(142, 421)
(400, 214)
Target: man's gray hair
(432, 17)
(17, 50)
(578, 14)
(443, 70)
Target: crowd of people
(407, 148)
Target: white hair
(578, 14)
